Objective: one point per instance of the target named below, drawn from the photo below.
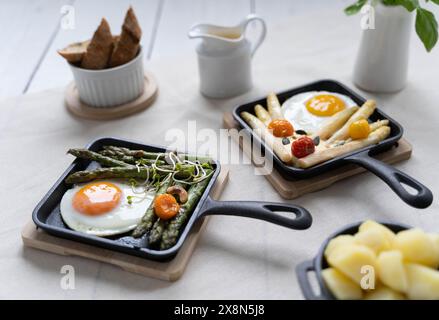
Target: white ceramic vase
(382, 60)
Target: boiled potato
(351, 258)
(391, 270)
(374, 238)
(435, 238)
(417, 247)
(404, 265)
(369, 224)
(383, 293)
(423, 282)
(338, 242)
(341, 286)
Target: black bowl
(319, 263)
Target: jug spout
(215, 32)
(196, 31)
(227, 37)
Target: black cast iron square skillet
(363, 157)
(47, 215)
(319, 263)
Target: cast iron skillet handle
(395, 178)
(302, 271)
(260, 210)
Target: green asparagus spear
(157, 231)
(134, 153)
(148, 219)
(174, 227)
(159, 226)
(118, 156)
(133, 156)
(91, 155)
(125, 172)
(129, 159)
(153, 155)
(108, 173)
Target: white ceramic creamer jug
(224, 57)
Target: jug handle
(251, 18)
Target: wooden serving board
(291, 189)
(169, 271)
(74, 104)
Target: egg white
(294, 110)
(123, 218)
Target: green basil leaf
(390, 2)
(435, 1)
(410, 5)
(426, 28)
(355, 8)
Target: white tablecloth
(236, 257)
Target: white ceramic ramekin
(110, 87)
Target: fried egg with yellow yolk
(104, 208)
(309, 110)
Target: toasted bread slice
(128, 45)
(74, 52)
(131, 25)
(116, 39)
(99, 50)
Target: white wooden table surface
(29, 63)
(307, 40)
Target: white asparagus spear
(373, 126)
(274, 107)
(281, 150)
(378, 124)
(364, 112)
(330, 153)
(262, 114)
(335, 122)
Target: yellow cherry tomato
(165, 206)
(359, 129)
(281, 128)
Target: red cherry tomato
(302, 147)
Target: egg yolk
(97, 198)
(325, 105)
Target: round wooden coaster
(80, 109)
